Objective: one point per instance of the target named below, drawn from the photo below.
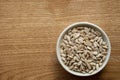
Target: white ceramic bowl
(83, 24)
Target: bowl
(82, 24)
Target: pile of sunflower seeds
(83, 49)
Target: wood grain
(29, 30)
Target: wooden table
(29, 30)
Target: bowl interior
(83, 24)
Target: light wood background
(29, 30)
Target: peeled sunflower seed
(76, 35)
(63, 55)
(89, 48)
(68, 38)
(97, 66)
(95, 52)
(105, 47)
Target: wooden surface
(29, 30)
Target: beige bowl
(82, 24)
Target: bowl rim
(58, 52)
